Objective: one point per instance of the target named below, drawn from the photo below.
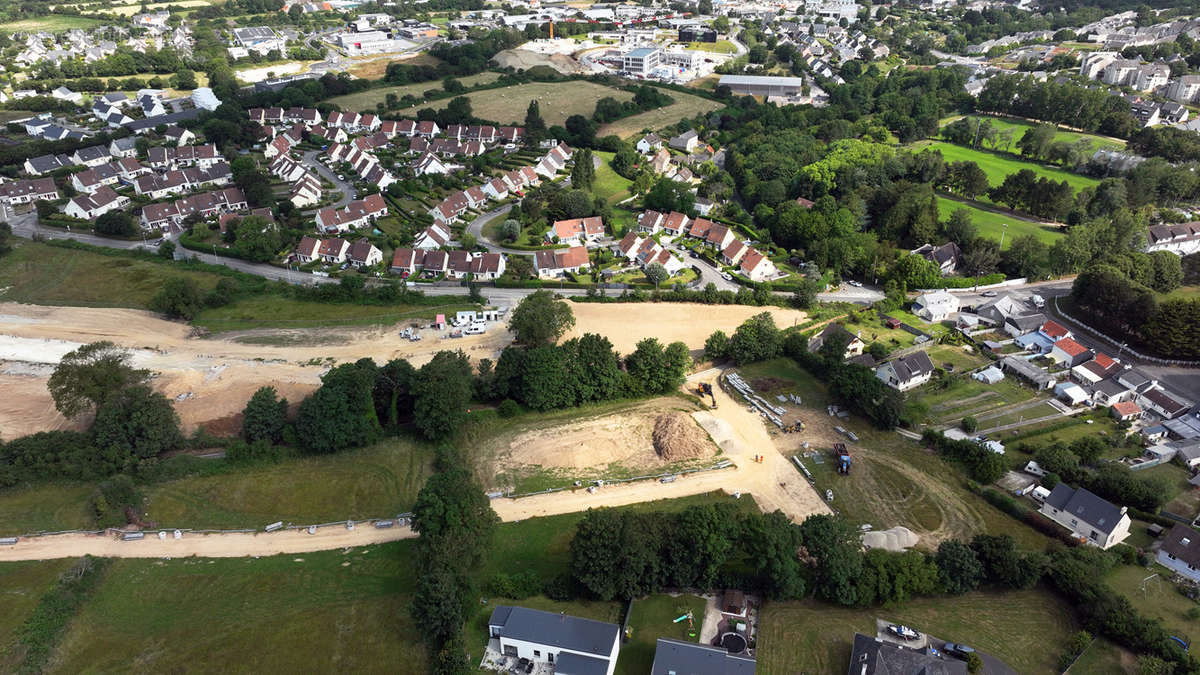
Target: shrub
(509, 408)
(969, 424)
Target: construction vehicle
(796, 426)
(843, 457)
(705, 389)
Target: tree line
(1123, 302)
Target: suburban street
(346, 188)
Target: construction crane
(551, 29)
(706, 389)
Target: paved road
(347, 189)
(475, 229)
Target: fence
(1120, 346)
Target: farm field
(52, 23)
(1022, 628)
(685, 105)
(22, 585)
(366, 100)
(558, 101)
(999, 165)
(347, 609)
(130, 10)
(45, 508)
(991, 224)
(650, 619)
(1020, 126)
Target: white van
(476, 329)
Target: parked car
(989, 294)
(856, 284)
(341, 177)
(904, 632)
(955, 649)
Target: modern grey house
(674, 657)
(1097, 521)
(873, 656)
(575, 646)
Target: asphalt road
(346, 188)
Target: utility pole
(1003, 231)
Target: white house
(935, 306)
(1092, 519)
(1180, 552)
(757, 267)
(91, 206)
(571, 644)
(906, 372)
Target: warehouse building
(758, 85)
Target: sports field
(557, 101)
(366, 100)
(998, 165)
(991, 224)
(685, 105)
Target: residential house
(1180, 552)
(123, 147)
(433, 237)
(364, 254)
(488, 266)
(497, 189)
(997, 310)
(65, 94)
(734, 252)
(1070, 352)
(306, 191)
(688, 141)
(557, 262)
(576, 231)
(946, 256)
(570, 644)
(178, 136)
(756, 266)
(1039, 378)
(650, 222)
(449, 209)
(1164, 404)
(874, 656)
(407, 262)
(358, 213)
(308, 249)
(676, 657)
(37, 166)
(1181, 238)
(28, 191)
(649, 143)
(906, 372)
(675, 224)
(854, 344)
(90, 206)
(1024, 324)
(935, 306)
(89, 180)
(435, 263)
(333, 251)
(1090, 373)
(1090, 518)
(1125, 411)
(93, 155)
(429, 163)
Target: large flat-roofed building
(761, 85)
(642, 60)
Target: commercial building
(641, 61)
(760, 85)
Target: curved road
(348, 191)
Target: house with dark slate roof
(675, 657)
(1097, 521)
(873, 656)
(1180, 552)
(906, 372)
(573, 645)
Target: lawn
(45, 508)
(53, 23)
(609, 184)
(1016, 417)
(274, 311)
(959, 357)
(1102, 424)
(366, 100)
(1155, 597)
(718, 47)
(1025, 629)
(992, 224)
(345, 610)
(650, 619)
(811, 390)
(963, 396)
(1105, 658)
(377, 481)
(685, 106)
(558, 100)
(50, 275)
(22, 585)
(999, 165)
(1019, 128)
(1182, 293)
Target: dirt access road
(211, 378)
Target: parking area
(885, 632)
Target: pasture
(51, 23)
(1019, 127)
(685, 105)
(557, 100)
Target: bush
(969, 424)
(974, 663)
(509, 408)
(241, 452)
(115, 502)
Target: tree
(452, 515)
(184, 79)
(541, 318)
(836, 545)
(5, 238)
(596, 367)
(257, 239)
(441, 394)
(958, 567)
(178, 298)
(535, 126)
(583, 172)
(757, 339)
(1036, 141)
(656, 273)
(716, 347)
(85, 378)
(510, 229)
(166, 250)
(138, 422)
(116, 223)
(264, 416)
(341, 413)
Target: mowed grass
(992, 225)
(557, 101)
(52, 23)
(377, 481)
(651, 618)
(330, 611)
(1155, 597)
(49, 275)
(22, 585)
(685, 106)
(1019, 127)
(998, 165)
(718, 47)
(1025, 629)
(1105, 658)
(366, 100)
(610, 185)
(276, 311)
(45, 508)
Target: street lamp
(1003, 231)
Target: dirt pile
(677, 437)
(523, 59)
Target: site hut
(761, 85)
(574, 646)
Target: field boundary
(723, 464)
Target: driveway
(709, 274)
(347, 189)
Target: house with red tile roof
(1070, 352)
(576, 231)
(757, 267)
(557, 262)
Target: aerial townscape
(696, 337)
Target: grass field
(49, 275)
(366, 100)
(346, 610)
(650, 619)
(558, 101)
(1155, 598)
(1105, 658)
(275, 311)
(609, 184)
(1019, 128)
(718, 47)
(45, 508)
(685, 105)
(963, 396)
(22, 585)
(1025, 629)
(7, 116)
(999, 165)
(992, 225)
(375, 68)
(956, 356)
(130, 10)
(53, 23)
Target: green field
(685, 106)
(1025, 629)
(1105, 658)
(1156, 597)
(366, 100)
(963, 396)
(53, 23)
(557, 100)
(999, 165)
(718, 47)
(45, 508)
(650, 619)
(1019, 128)
(610, 185)
(22, 585)
(274, 311)
(991, 224)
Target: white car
(904, 632)
(856, 284)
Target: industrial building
(758, 85)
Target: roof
(675, 657)
(1126, 408)
(1070, 347)
(912, 365)
(1166, 402)
(873, 656)
(1055, 329)
(1027, 321)
(1184, 543)
(761, 79)
(1101, 514)
(585, 636)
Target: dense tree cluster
(1121, 297)
(1096, 110)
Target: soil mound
(677, 437)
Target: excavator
(705, 389)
